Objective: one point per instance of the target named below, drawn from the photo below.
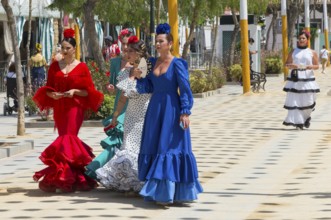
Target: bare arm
(289, 62)
(315, 64)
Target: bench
(258, 80)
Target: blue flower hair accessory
(163, 29)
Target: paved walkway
(250, 165)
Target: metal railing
(199, 60)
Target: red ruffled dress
(67, 156)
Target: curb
(207, 94)
(50, 124)
(15, 148)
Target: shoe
(299, 127)
(165, 204)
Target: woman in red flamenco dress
(70, 92)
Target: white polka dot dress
(121, 172)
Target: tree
(273, 8)
(294, 8)
(197, 12)
(28, 75)
(18, 66)
(254, 7)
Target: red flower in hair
(133, 39)
(68, 33)
(123, 33)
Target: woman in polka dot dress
(121, 172)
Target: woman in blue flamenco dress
(166, 162)
(70, 92)
(114, 137)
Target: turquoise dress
(114, 136)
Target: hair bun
(68, 33)
(163, 28)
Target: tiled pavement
(250, 165)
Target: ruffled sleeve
(145, 85)
(94, 98)
(127, 85)
(182, 74)
(42, 100)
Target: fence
(199, 60)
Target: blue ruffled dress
(166, 162)
(114, 137)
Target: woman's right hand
(110, 88)
(292, 66)
(57, 95)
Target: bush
(273, 65)
(198, 81)
(235, 72)
(105, 109)
(100, 79)
(201, 81)
(31, 105)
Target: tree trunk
(158, 11)
(19, 78)
(89, 6)
(268, 32)
(274, 29)
(234, 37)
(28, 75)
(213, 47)
(293, 12)
(192, 27)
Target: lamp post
(152, 27)
(284, 35)
(173, 22)
(307, 18)
(326, 27)
(244, 46)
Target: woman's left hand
(185, 120)
(70, 93)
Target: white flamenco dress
(301, 89)
(121, 172)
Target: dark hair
(251, 40)
(70, 40)
(140, 47)
(12, 68)
(304, 32)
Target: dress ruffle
(175, 167)
(127, 85)
(66, 158)
(121, 172)
(168, 191)
(42, 100)
(109, 144)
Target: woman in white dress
(301, 86)
(121, 172)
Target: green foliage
(235, 72)
(100, 79)
(105, 109)
(31, 105)
(198, 81)
(273, 65)
(201, 81)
